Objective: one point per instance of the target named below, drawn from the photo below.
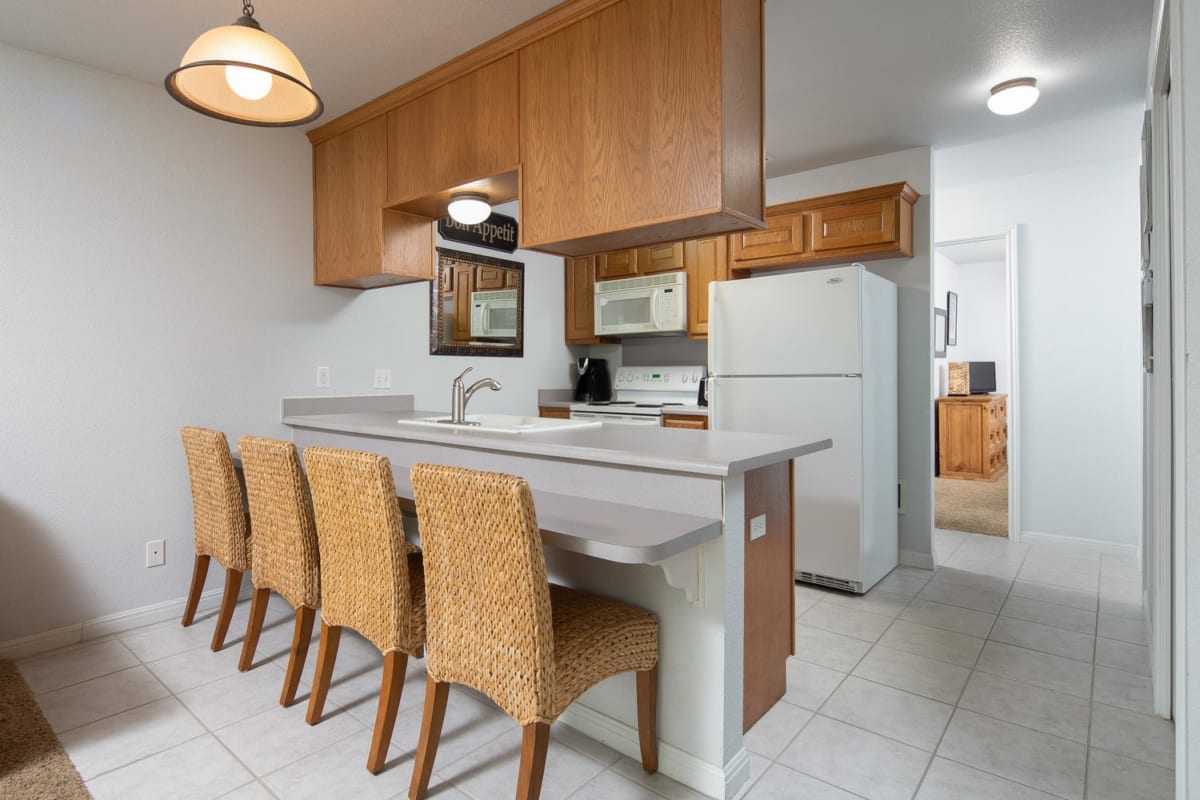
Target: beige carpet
(33, 764)
(972, 506)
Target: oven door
(620, 419)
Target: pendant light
(240, 73)
(469, 208)
(1013, 97)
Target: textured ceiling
(845, 78)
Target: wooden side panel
(769, 591)
(743, 107)
(707, 260)
(621, 121)
(409, 247)
(464, 131)
(348, 190)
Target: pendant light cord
(247, 8)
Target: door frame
(1011, 272)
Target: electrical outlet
(322, 377)
(383, 379)
(758, 527)
(156, 550)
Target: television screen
(983, 377)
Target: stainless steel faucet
(461, 395)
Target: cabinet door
(458, 133)
(962, 432)
(707, 261)
(489, 278)
(660, 258)
(690, 421)
(580, 277)
(617, 264)
(464, 284)
(348, 190)
(512, 279)
(554, 412)
(783, 236)
(854, 225)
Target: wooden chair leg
(394, 665)
(199, 573)
(301, 635)
(436, 695)
(331, 635)
(258, 611)
(233, 585)
(647, 711)
(535, 739)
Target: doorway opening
(975, 386)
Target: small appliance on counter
(593, 383)
(643, 394)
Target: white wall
(1078, 310)
(155, 271)
(915, 336)
(982, 316)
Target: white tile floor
(981, 679)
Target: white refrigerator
(814, 354)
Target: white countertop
(716, 453)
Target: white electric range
(642, 394)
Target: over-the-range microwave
(655, 304)
(494, 314)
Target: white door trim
(1014, 406)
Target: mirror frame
(448, 257)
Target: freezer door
(806, 323)
(827, 486)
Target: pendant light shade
(469, 208)
(240, 73)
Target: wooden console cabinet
(973, 436)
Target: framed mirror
(476, 306)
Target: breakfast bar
(693, 526)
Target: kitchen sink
(503, 423)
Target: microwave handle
(654, 308)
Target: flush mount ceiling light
(240, 73)
(469, 208)
(1013, 97)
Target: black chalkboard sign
(497, 232)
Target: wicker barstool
(284, 547)
(495, 623)
(371, 579)
(221, 522)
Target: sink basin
(503, 423)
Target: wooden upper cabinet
(355, 242)
(617, 264)
(784, 236)
(579, 317)
(862, 225)
(707, 261)
(642, 123)
(462, 132)
(660, 258)
(489, 278)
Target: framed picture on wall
(951, 319)
(939, 333)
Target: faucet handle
(464, 372)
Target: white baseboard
(684, 767)
(1092, 545)
(112, 623)
(911, 558)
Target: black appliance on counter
(593, 384)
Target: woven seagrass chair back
(218, 508)
(364, 558)
(487, 613)
(284, 538)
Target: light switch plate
(758, 527)
(383, 379)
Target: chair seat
(595, 638)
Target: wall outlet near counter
(322, 377)
(758, 527)
(156, 550)
(383, 379)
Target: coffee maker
(593, 384)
